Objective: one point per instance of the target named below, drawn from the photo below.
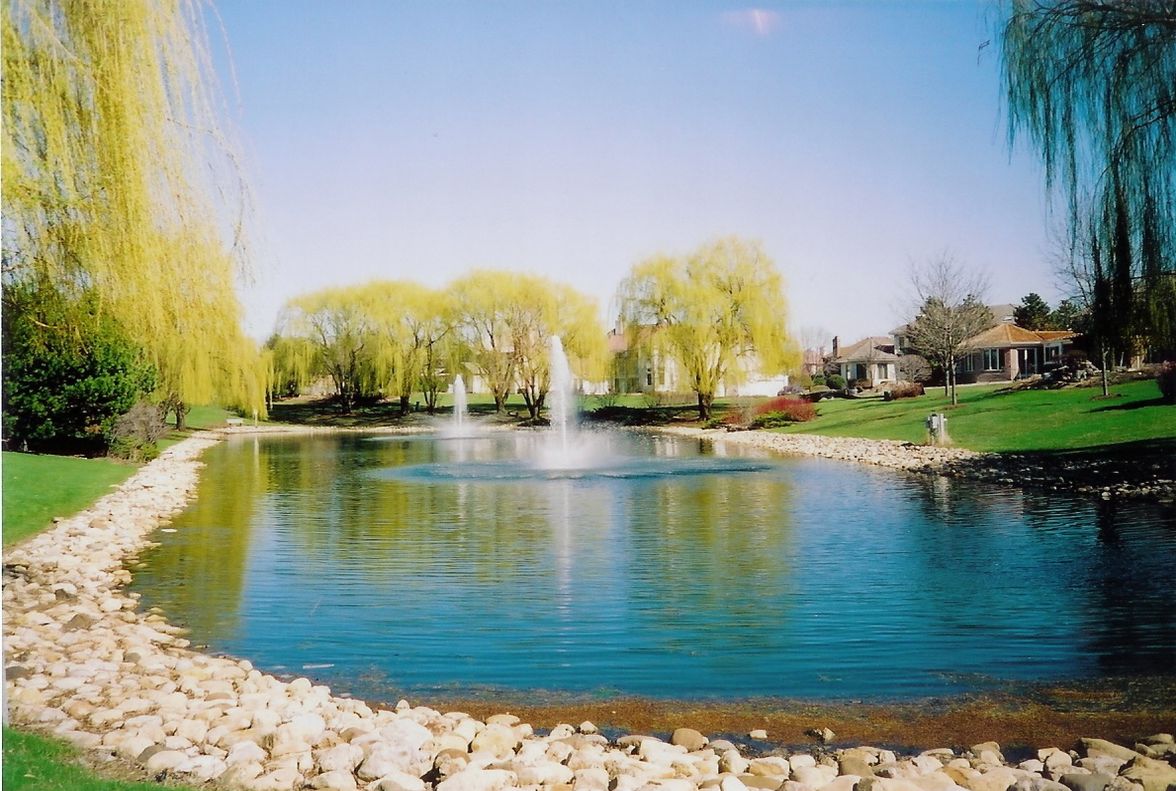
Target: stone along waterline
(446, 568)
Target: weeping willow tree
(506, 320)
(337, 324)
(120, 183)
(539, 311)
(413, 327)
(1092, 84)
(718, 312)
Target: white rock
(283, 779)
(397, 781)
(471, 779)
(658, 752)
(245, 752)
(814, 776)
(340, 758)
(592, 778)
(165, 760)
(335, 780)
(133, 746)
(731, 761)
(497, 739)
(800, 761)
(203, 767)
(772, 766)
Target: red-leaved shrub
(783, 409)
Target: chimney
(836, 347)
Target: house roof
(867, 350)
(1003, 335)
(1001, 314)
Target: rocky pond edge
(1101, 474)
(83, 663)
(1104, 473)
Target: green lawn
(36, 763)
(38, 488)
(988, 419)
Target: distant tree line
(716, 312)
(390, 340)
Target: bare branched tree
(950, 309)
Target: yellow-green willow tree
(414, 329)
(507, 320)
(338, 325)
(119, 181)
(718, 312)
(540, 311)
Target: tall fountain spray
(560, 395)
(459, 405)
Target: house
(639, 367)
(1001, 314)
(1006, 352)
(868, 363)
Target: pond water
(669, 568)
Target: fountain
(459, 405)
(560, 395)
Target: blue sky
(419, 140)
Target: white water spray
(459, 405)
(561, 397)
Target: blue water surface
(660, 567)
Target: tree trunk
(430, 400)
(955, 398)
(181, 415)
(404, 405)
(705, 400)
(499, 402)
(1106, 385)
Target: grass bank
(37, 763)
(993, 418)
(39, 488)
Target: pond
(669, 568)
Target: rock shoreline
(1084, 473)
(84, 664)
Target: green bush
(835, 381)
(68, 373)
(818, 379)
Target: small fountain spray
(459, 405)
(560, 393)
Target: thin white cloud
(758, 21)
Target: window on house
(882, 372)
(649, 376)
(992, 360)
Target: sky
(420, 140)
